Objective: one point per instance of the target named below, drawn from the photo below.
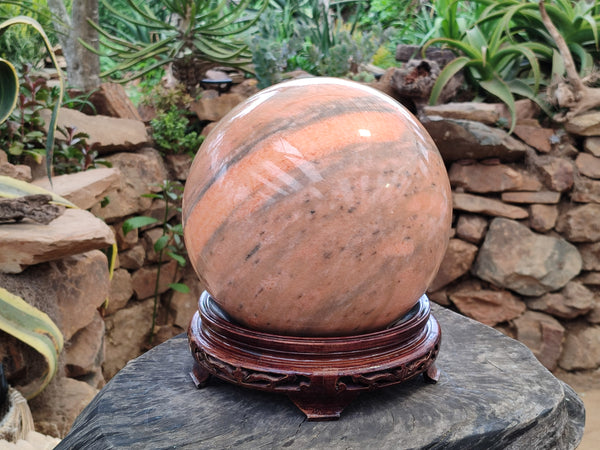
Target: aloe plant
(577, 22)
(494, 64)
(194, 30)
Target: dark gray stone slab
(492, 394)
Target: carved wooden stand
(320, 375)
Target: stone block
(535, 136)
(581, 349)
(588, 165)
(572, 301)
(489, 206)
(543, 335)
(142, 172)
(109, 134)
(487, 306)
(183, 305)
(144, 280)
(213, 109)
(464, 139)
(75, 231)
(134, 258)
(587, 124)
(515, 258)
(543, 197)
(127, 332)
(543, 217)
(125, 241)
(556, 173)
(590, 254)
(484, 178)
(486, 113)
(84, 189)
(110, 99)
(57, 407)
(150, 238)
(179, 165)
(457, 261)
(592, 145)
(471, 228)
(580, 224)
(84, 353)
(121, 290)
(586, 190)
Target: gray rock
(492, 395)
(514, 257)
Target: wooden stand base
(320, 375)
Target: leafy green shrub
(171, 132)
(305, 35)
(22, 44)
(23, 132)
(75, 154)
(170, 243)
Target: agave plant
(497, 65)
(194, 35)
(577, 22)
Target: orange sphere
(318, 207)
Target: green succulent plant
(496, 65)
(194, 32)
(577, 22)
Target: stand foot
(322, 408)
(432, 374)
(200, 376)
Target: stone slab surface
(75, 231)
(492, 394)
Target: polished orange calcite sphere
(318, 207)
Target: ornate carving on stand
(320, 375)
